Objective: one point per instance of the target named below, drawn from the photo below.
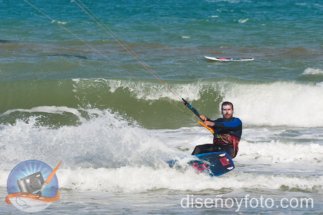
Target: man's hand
(203, 117)
(206, 120)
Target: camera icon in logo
(32, 183)
(32, 186)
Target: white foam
(76, 80)
(280, 152)
(313, 71)
(277, 104)
(243, 20)
(59, 22)
(141, 179)
(320, 84)
(273, 104)
(146, 90)
(46, 109)
(108, 153)
(105, 140)
(267, 146)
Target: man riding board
(227, 132)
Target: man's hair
(226, 103)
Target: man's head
(227, 110)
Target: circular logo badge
(32, 186)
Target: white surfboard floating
(228, 59)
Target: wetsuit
(226, 137)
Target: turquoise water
(283, 37)
(45, 46)
(70, 91)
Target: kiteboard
(228, 59)
(211, 163)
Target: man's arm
(207, 121)
(230, 124)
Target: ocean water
(97, 84)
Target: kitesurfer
(227, 132)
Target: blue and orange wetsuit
(226, 137)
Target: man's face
(227, 111)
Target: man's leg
(204, 149)
(199, 149)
